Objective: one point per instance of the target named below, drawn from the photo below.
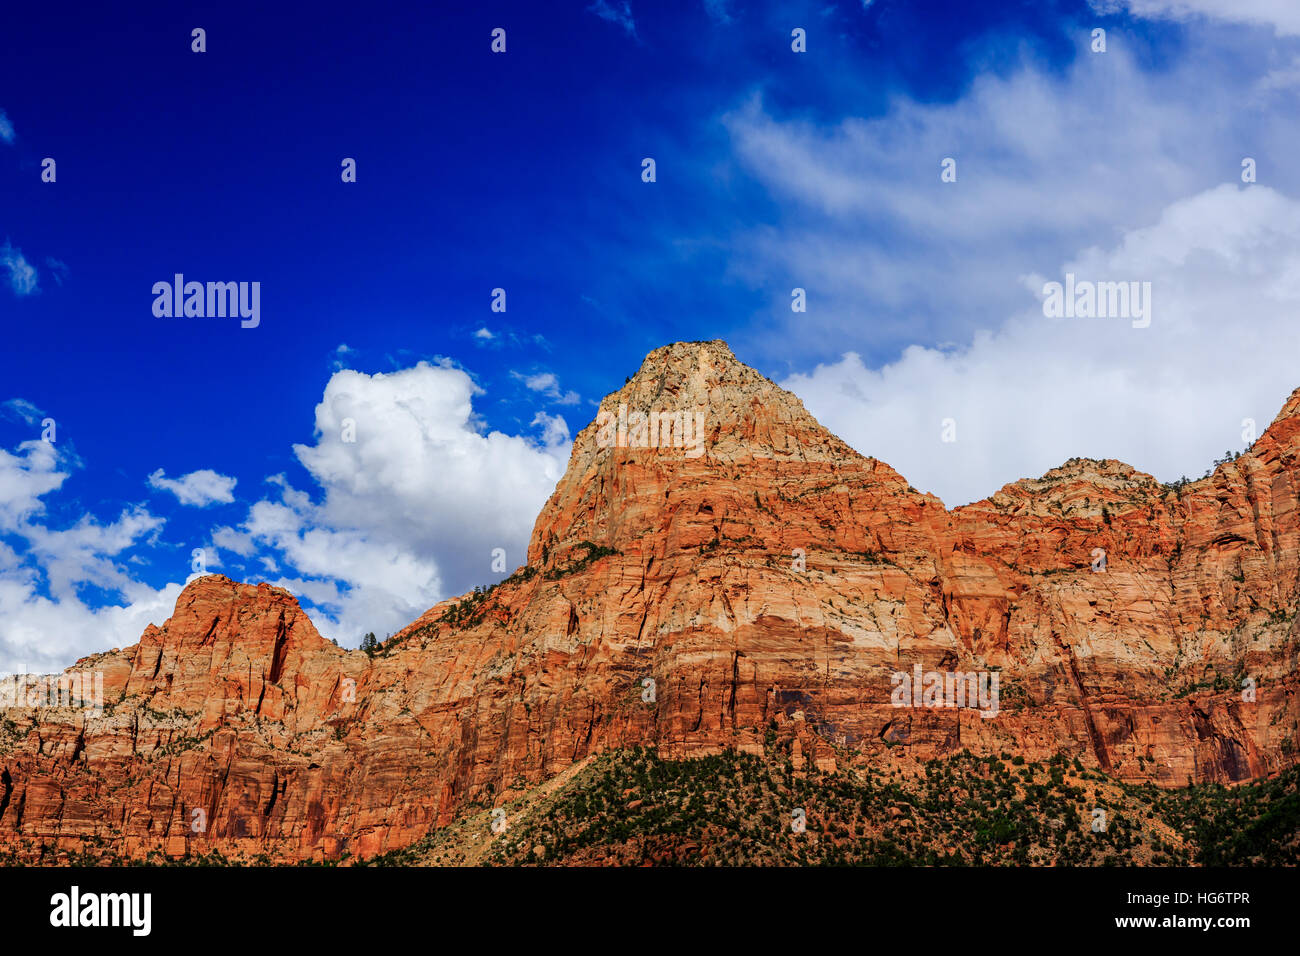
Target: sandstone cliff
(755, 591)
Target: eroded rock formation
(761, 593)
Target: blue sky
(522, 171)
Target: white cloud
(541, 382)
(22, 274)
(1225, 272)
(1105, 168)
(409, 511)
(83, 554)
(547, 384)
(1282, 15)
(6, 128)
(342, 356)
(407, 514)
(555, 434)
(22, 410)
(44, 622)
(1048, 162)
(41, 635)
(24, 478)
(197, 489)
(403, 517)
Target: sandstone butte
(647, 562)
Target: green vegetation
(469, 610)
(733, 809)
(1254, 825)
(1228, 456)
(593, 552)
(631, 807)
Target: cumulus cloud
(22, 274)
(45, 622)
(1110, 168)
(1224, 268)
(1047, 162)
(25, 477)
(197, 489)
(414, 497)
(411, 496)
(44, 635)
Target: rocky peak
(225, 640)
(745, 415)
(1080, 487)
(692, 423)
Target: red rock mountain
(768, 581)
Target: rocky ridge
(757, 596)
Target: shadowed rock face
(768, 586)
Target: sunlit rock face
(714, 570)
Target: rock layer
(758, 590)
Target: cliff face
(725, 574)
